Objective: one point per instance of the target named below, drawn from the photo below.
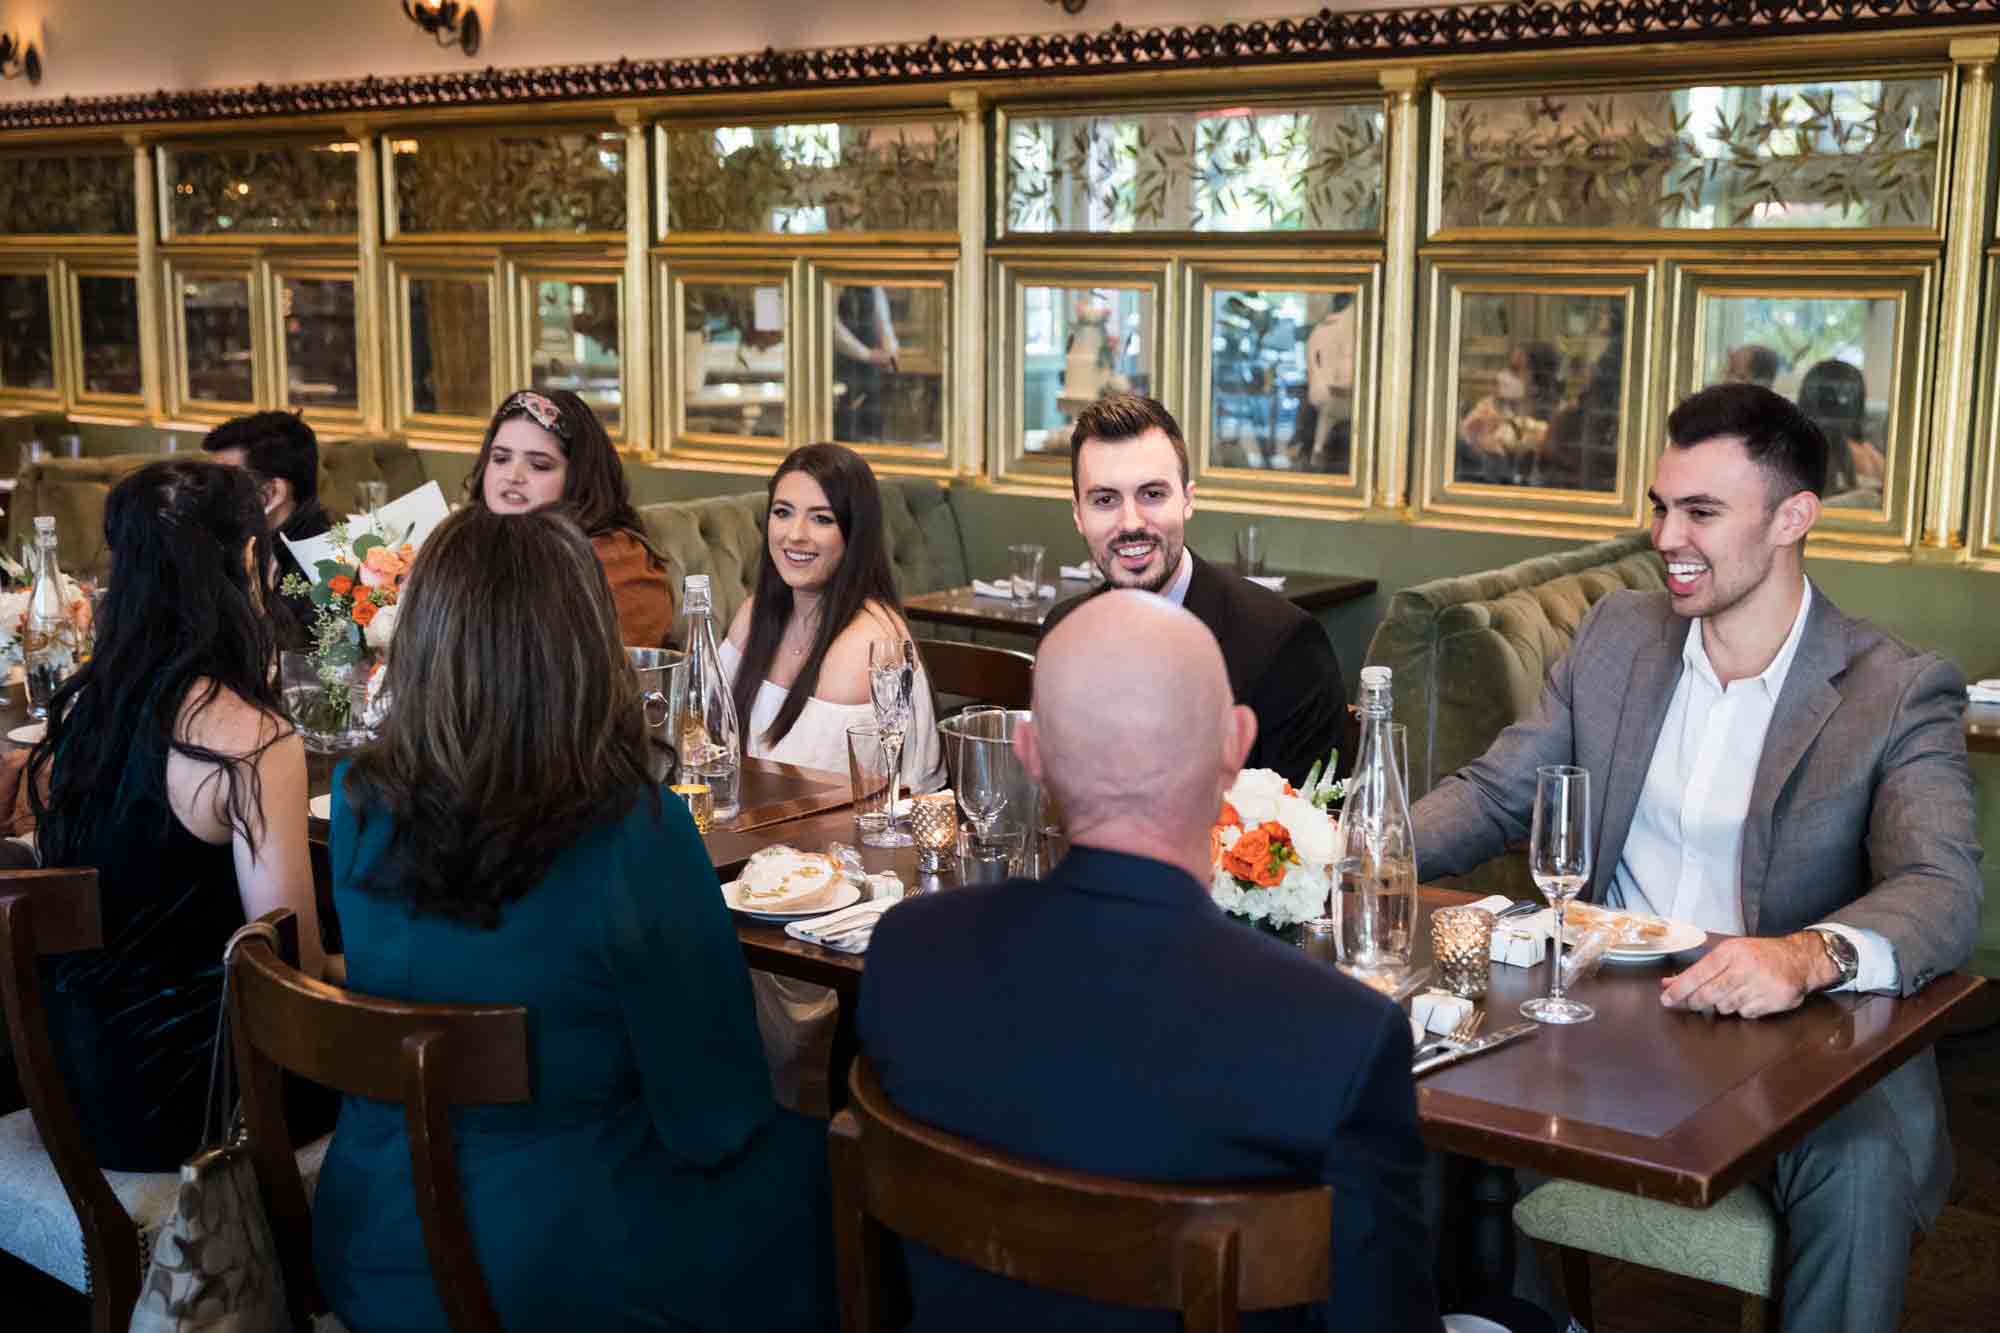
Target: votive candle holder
(934, 828)
(700, 803)
(1462, 948)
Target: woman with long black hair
(169, 766)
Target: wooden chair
(1207, 1251)
(54, 912)
(999, 676)
(427, 1057)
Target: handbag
(214, 1265)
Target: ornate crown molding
(1466, 29)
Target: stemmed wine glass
(892, 676)
(1559, 859)
(981, 736)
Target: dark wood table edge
(1350, 588)
(1612, 1158)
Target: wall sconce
(451, 23)
(19, 56)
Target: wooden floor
(1954, 1282)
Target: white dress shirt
(1683, 856)
(1176, 592)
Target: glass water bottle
(1375, 855)
(710, 739)
(49, 641)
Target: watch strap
(1840, 951)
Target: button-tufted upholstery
(1471, 653)
(75, 489)
(723, 538)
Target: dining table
(963, 607)
(1982, 728)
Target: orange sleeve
(639, 589)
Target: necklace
(799, 650)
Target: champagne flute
(892, 675)
(980, 737)
(1559, 859)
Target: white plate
(1680, 937)
(844, 895)
(321, 806)
(28, 733)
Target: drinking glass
(1559, 859)
(372, 496)
(994, 791)
(892, 678)
(1026, 571)
(867, 768)
(1249, 550)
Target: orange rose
(340, 585)
(1251, 858)
(1229, 818)
(364, 611)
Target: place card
(1437, 1011)
(1518, 948)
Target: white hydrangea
(382, 628)
(1255, 794)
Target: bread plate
(844, 895)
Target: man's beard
(1170, 562)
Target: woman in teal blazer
(502, 843)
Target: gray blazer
(1862, 808)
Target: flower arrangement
(354, 612)
(1271, 849)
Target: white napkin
(852, 918)
(1275, 582)
(1005, 590)
(1078, 573)
(1437, 1012)
(1984, 691)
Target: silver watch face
(1846, 958)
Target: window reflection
(320, 366)
(888, 364)
(1834, 356)
(27, 350)
(576, 345)
(1281, 380)
(1080, 344)
(733, 350)
(107, 309)
(215, 315)
(451, 349)
(1540, 381)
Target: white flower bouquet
(1271, 850)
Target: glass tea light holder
(1462, 948)
(934, 828)
(700, 801)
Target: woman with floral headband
(546, 449)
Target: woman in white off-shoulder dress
(797, 659)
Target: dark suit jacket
(1280, 664)
(1110, 1019)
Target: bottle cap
(45, 523)
(1375, 677)
(694, 581)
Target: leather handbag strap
(219, 1110)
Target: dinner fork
(1467, 1029)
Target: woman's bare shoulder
(220, 719)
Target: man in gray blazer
(1767, 768)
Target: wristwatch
(1840, 951)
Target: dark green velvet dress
(652, 1182)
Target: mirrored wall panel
(1078, 344)
(1281, 379)
(217, 350)
(511, 180)
(733, 374)
(1840, 153)
(107, 316)
(450, 346)
(1538, 397)
(47, 194)
(317, 315)
(1222, 169)
(888, 374)
(280, 188)
(811, 178)
(573, 343)
(27, 340)
(1836, 357)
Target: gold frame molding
(239, 265)
(318, 269)
(442, 427)
(49, 269)
(822, 276)
(80, 393)
(523, 272)
(672, 276)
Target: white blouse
(818, 738)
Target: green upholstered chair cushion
(723, 538)
(74, 491)
(1733, 1243)
(343, 463)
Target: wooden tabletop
(1649, 1101)
(957, 606)
(1982, 728)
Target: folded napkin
(1437, 1012)
(1005, 590)
(847, 930)
(1275, 582)
(1984, 691)
(1079, 573)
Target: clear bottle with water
(1375, 854)
(50, 643)
(709, 736)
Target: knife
(1472, 1048)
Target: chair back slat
(999, 676)
(428, 1058)
(44, 912)
(1191, 1248)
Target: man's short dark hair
(1778, 437)
(1760, 363)
(276, 446)
(1124, 416)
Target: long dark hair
(862, 577)
(179, 610)
(595, 492)
(514, 725)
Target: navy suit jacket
(1111, 1019)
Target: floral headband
(544, 411)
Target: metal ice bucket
(662, 676)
